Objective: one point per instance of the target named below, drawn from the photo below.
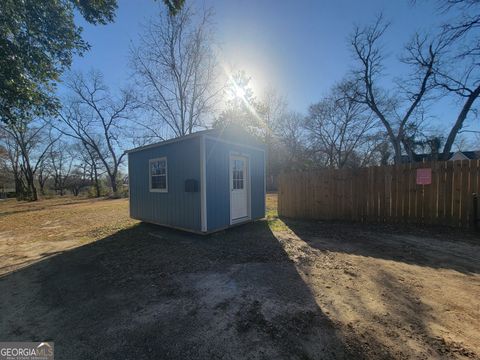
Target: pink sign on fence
(424, 176)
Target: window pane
(158, 167)
(155, 182)
(162, 167)
(238, 174)
(237, 164)
(154, 168)
(163, 182)
(159, 182)
(238, 184)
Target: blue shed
(203, 182)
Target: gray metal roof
(177, 139)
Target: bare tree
(271, 109)
(341, 128)
(13, 163)
(28, 143)
(44, 173)
(460, 74)
(91, 164)
(61, 162)
(293, 138)
(78, 179)
(98, 120)
(397, 110)
(6, 175)
(175, 69)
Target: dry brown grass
(30, 231)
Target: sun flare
(240, 92)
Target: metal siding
(218, 187)
(176, 207)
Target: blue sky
(298, 47)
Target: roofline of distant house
(174, 140)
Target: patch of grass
(273, 220)
(277, 225)
(33, 230)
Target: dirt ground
(82, 274)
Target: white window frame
(150, 174)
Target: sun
(240, 92)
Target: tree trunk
(97, 188)
(459, 123)
(19, 188)
(34, 192)
(408, 149)
(33, 189)
(42, 188)
(97, 183)
(398, 152)
(42, 180)
(30, 178)
(113, 182)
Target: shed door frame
(247, 186)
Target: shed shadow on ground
(431, 247)
(147, 292)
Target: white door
(239, 188)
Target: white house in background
(454, 156)
(465, 155)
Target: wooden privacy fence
(385, 194)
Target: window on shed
(158, 175)
(238, 176)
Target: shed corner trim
(203, 184)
